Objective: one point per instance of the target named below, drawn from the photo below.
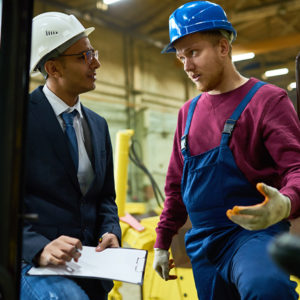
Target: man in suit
(69, 165)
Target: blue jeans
(51, 288)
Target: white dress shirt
(85, 173)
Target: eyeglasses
(88, 55)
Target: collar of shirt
(58, 105)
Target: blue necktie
(71, 134)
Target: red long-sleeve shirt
(265, 144)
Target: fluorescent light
(243, 56)
(102, 6)
(291, 86)
(276, 72)
(108, 2)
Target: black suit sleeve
(33, 244)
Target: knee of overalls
(268, 287)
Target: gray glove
(272, 210)
(161, 263)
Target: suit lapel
(46, 119)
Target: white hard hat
(50, 31)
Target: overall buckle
(229, 126)
(183, 143)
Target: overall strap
(184, 142)
(230, 123)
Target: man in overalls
(234, 168)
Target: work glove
(162, 265)
(272, 210)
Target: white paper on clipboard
(121, 264)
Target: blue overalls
(228, 261)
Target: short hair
(218, 34)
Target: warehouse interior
(140, 89)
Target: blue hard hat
(196, 16)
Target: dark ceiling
(269, 28)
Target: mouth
(93, 76)
(195, 77)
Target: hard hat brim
(168, 49)
(89, 30)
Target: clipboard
(121, 264)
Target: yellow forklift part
(140, 240)
(136, 208)
(121, 167)
(114, 294)
(155, 287)
(297, 280)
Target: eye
(89, 54)
(194, 52)
(181, 59)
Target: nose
(96, 63)
(188, 65)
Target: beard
(213, 80)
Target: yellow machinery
(121, 168)
(141, 235)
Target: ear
(224, 47)
(53, 68)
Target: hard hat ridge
(56, 52)
(194, 17)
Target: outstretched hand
(272, 210)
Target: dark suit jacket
(52, 189)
